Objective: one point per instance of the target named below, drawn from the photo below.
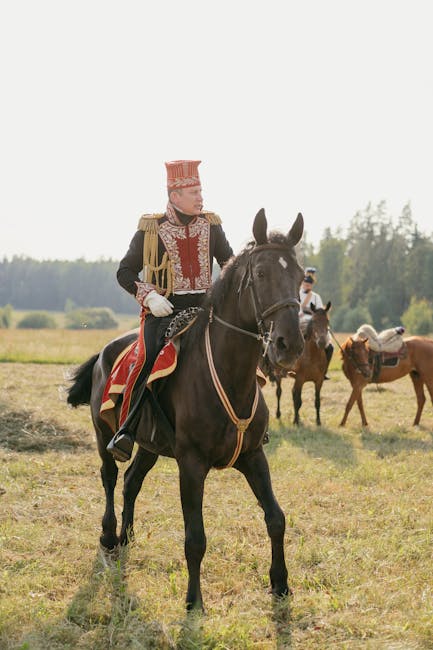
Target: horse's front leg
(278, 392)
(297, 401)
(318, 388)
(350, 403)
(192, 474)
(361, 409)
(134, 476)
(255, 467)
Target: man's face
(306, 286)
(188, 200)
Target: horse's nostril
(280, 344)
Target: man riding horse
(175, 251)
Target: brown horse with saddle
(210, 412)
(365, 361)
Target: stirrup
(121, 446)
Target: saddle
(164, 365)
(387, 348)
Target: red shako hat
(182, 173)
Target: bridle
(360, 367)
(316, 330)
(260, 313)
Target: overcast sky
(311, 106)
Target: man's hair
(171, 190)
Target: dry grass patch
(358, 541)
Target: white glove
(158, 305)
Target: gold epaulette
(149, 222)
(213, 218)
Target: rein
(241, 424)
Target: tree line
(380, 271)
(57, 285)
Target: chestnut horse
(211, 412)
(358, 365)
(310, 366)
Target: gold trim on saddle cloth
(107, 407)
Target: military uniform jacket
(176, 258)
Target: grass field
(359, 538)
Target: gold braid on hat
(160, 275)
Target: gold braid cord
(161, 275)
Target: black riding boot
(328, 351)
(122, 444)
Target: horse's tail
(80, 391)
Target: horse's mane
(351, 342)
(224, 284)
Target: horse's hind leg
(318, 388)
(255, 468)
(418, 385)
(133, 480)
(109, 471)
(297, 400)
(192, 474)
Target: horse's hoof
(280, 594)
(108, 555)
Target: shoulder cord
(161, 275)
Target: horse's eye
(260, 273)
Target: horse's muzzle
(285, 351)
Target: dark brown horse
(212, 399)
(358, 365)
(311, 365)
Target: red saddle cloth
(164, 365)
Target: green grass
(358, 543)
(58, 346)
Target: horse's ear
(328, 306)
(312, 306)
(295, 232)
(260, 227)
